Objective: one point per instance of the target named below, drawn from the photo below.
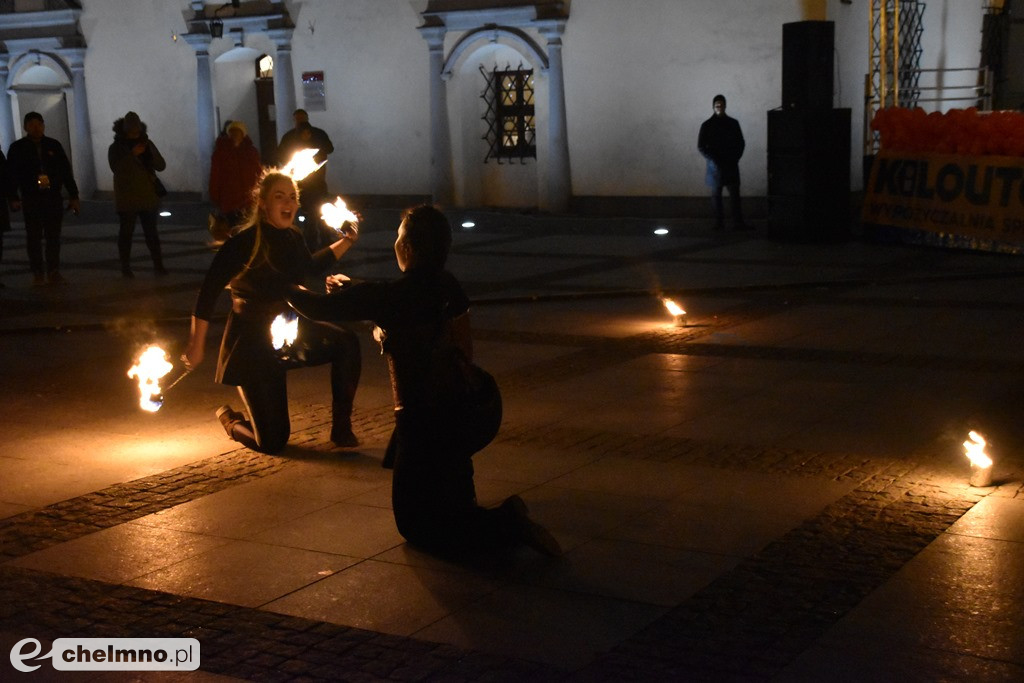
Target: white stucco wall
(375, 68)
(133, 63)
(639, 77)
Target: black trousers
(432, 493)
(43, 221)
(266, 400)
(127, 230)
(734, 203)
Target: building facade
(549, 104)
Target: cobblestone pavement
(757, 620)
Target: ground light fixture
(661, 231)
(165, 214)
(981, 463)
(468, 224)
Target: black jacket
(28, 160)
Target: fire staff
(258, 264)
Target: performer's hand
(335, 282)
(192, 357)
(74, 206)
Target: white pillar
(7, 130)
(441, 177)
(83, 161)
(206, 120)
(558, 189)
(284, 80)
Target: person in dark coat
(7, 193)
(258, 264)
(41, 170)
(313, 188)
(721, 142)
(135, 159)
(433, 495)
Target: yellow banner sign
(976, 197)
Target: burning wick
(283, 331)
(337, 215)
(151, 365)
(302, 164)
(677, 313)
(981, 463)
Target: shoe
(55, 278)
(344, 438)
(229, 418)
(127, 273)
(38, 280)
(530, 533)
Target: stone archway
(512, 24)
(52, 84)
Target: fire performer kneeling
(420, 317)
(259, 263)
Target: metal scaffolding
(894, 69)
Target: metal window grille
(509, 114)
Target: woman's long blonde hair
(254, 216)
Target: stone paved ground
(751, 622)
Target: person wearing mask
(313, 188)
(41, 171)
(135, 159)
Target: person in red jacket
(234, 171)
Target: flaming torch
(283, 332)
(302, 164)
(337, 215)
(151, 365)
(676, 311)
(981, 463)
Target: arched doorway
(41, 86)
(481, 176)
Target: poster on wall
(313, 94)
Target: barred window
(510, 116)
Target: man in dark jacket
(40, 169)
(313, 188)
(721, 142)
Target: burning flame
(673, 308)
(337, 214)
(302, 164)
(974, 449)
(283, 331)
(151, 365)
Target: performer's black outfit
(247, 358)
(433, 496)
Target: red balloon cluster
(958, 131)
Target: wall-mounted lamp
(216, 28)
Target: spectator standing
(721, 142)
(313, 188)
(40, 170)
(234, 171)
(135, 159)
